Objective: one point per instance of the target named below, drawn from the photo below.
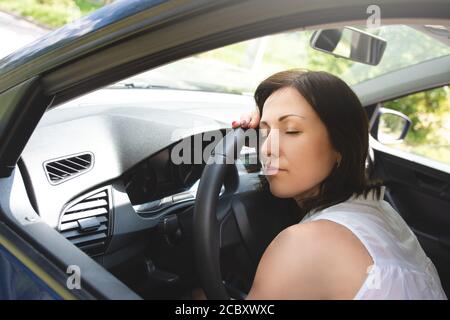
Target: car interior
(99, 169)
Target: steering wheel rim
(206, 225)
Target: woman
(351, 244)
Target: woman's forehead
(283, 102)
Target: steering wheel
(208, 219)
(229, 219)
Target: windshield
(238, 68)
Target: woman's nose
(270, 144)
(265, 145)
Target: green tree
(427, 111)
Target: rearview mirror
(349, 43)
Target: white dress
(401, 269)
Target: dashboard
(102, 174)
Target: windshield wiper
(137, 85)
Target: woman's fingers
(254, 122)
(245, 120)
(248, 120)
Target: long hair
(340, 110)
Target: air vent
(62, 169)
(87, 222)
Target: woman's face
(296, 151)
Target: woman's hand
(250, 120)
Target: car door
(26, 275)
(416, 172)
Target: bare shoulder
(315, 260)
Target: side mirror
(349, 43)
(390, 126)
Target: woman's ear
(338, 159)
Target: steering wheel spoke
(229, 231)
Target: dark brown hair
(340, 110)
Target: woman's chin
(280, 192)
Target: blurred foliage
(267, 55)
(279, 52)
(52, 13)
(426, 110)
(429, 111)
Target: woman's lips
(272, 170)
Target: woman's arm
(290, 268)
(315, 260)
